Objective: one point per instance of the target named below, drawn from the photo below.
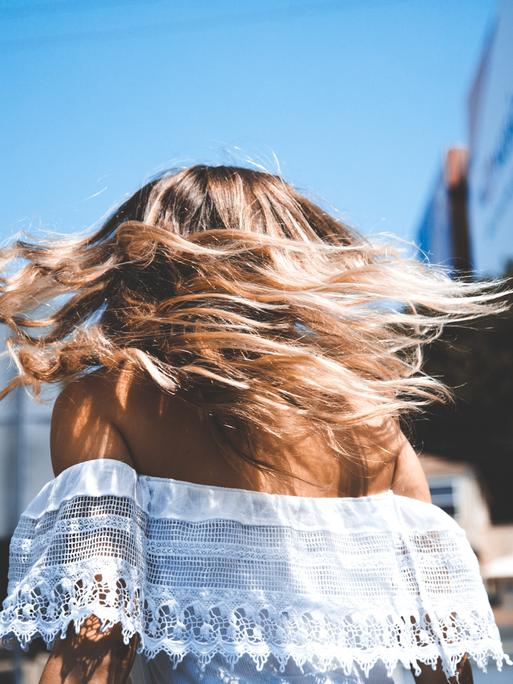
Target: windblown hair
(229, 286)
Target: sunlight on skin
(122, 391)
(82, 418)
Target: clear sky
(357, 99)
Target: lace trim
(206, 623)
(196, 570)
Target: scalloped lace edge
(480, 653)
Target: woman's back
(165, 440)
(226, 584)
(167, 436)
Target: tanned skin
(118, 416)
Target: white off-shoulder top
(232, 585)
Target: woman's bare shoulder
(386, 436)
(389, 453)
(111, 390)
(409, 477)
(84, 422)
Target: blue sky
(356, 99)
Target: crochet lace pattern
(200, 569)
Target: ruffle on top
(205, 570)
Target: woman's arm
(90, 656)
(430, 676)
(82, 429)
(409, 478)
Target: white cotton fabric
(231, 585)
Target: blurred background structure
(398, 115)
(468, 225)
(468, 220)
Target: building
(443, 234)
(468, 221)
(490, 116)
(24, 453)
(455, 488)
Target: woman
(234, 500)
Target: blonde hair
(228, 285)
